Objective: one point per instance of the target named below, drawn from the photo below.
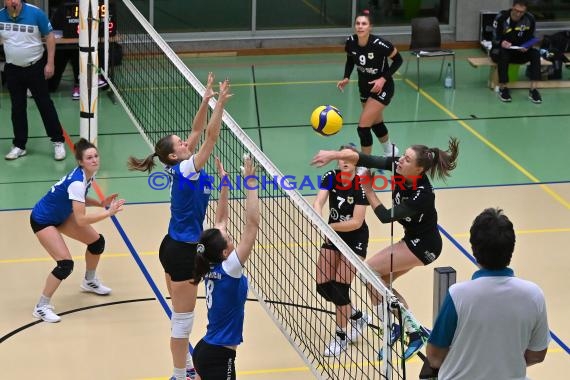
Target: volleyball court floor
(512, 156)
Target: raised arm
(360, 159)
(252, 217)
(214, 126)
(201, 117)
(222, 209)
(325, 156)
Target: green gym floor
(512, 155)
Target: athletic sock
(89, 275)
(179, 373)
(387, 145)
(189, 361)
(43, 301)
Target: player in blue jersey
(414, 208)
(220, 263)
(62, 211)
(370, 54)
(189, 196)
(347, 208)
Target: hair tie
(200, 248)
(432, 154)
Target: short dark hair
(492, 239)
(524, 3)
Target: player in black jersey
(414, 209)
(347, 207)
(370, 54)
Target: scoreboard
(71, 22)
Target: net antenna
(161, 95)
(88, 67)
(105, 14)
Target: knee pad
(365, 135)
(340, 294)
(325, 290)
(380, 129)
(181, 325)
(98, 246)
(63, 269)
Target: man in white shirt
(495, 325)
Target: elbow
(382, 214)
(435, 355)
(534, 357)
(254, 221)
(357, 224)
(434, 362)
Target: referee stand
(443, 278)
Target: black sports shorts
(36, 227)
(358, 243)
(426, 247)
(384, 96)
(214, 362)
(177, 258)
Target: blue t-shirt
(22, 36)
(189, 196)
(56, 206)
(226, 293)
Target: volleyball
(326, 120)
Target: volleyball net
(161, 96)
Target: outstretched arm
(251, 227)
(201, 117)
(325, 156)
(83, 218)
(222, 209)
(214, 126)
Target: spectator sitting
(513, 28)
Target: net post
(88, 64)
(443, 278)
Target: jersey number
(58, 183)
(362, 59)
(209, 291)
